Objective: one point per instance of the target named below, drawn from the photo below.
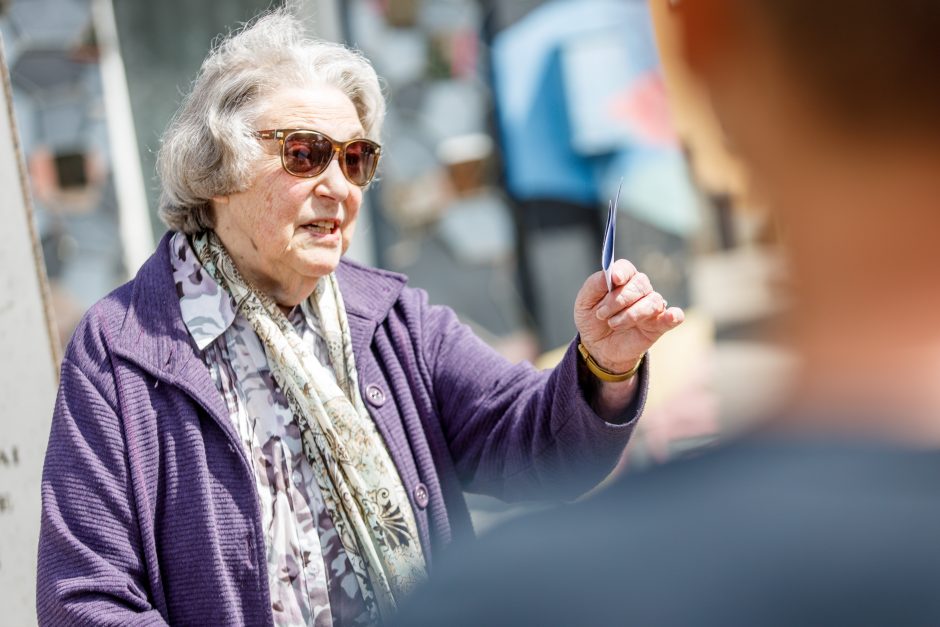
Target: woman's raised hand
(619, 326)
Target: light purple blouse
(309, 574)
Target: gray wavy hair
(208, 148)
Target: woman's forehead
(322, 107)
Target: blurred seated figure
(827, 513)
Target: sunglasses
(306, 154)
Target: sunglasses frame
(339, 151)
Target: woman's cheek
(281, 214)
(348, 231)
(349, 228)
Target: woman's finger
(643, 310)
(621, 272)
(670, 319)
(594, 289)
(625, 296)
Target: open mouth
(323, 227)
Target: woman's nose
(332, 183)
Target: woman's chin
(318, 263)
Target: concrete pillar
(133, 211)
(28, 376)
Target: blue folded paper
(610, 235)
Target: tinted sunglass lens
(307, 154)
(361, 160)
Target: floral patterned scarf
(360, 485)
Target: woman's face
(285, 232)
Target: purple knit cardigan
(149, 511)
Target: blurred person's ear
(716, 169)
(713, 43)
(705, 28)
(748, 84)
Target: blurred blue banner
(581, 103)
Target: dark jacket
(765, 532)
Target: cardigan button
(375, 395)
(421, 496)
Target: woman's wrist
(607, 374)
(611, 400)
(611, 391)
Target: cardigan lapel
(369, 293)
(154, 338)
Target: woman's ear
(219, 200)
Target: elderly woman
(255, 432)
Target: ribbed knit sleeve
(514, 432)
(90, 568)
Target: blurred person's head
(835, 106)
(267, 150)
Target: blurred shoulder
(797, 525)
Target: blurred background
(510, 126)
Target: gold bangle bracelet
(602, 373)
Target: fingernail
(603, 313)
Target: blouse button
(375, 395)
(421, 495)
